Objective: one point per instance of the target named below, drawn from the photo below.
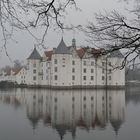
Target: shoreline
(5, 84)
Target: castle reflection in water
(67, 110)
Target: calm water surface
(27, 114)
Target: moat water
(29, 114)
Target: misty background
(23, 43)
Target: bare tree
(113, 31)
(17, 65)
(29, 14)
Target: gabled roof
(116, 54)
(34, 55)
(62, 48)
(16, 71)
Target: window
(109, 70)
(84, 63)
(73, 77)
(110, 105)
(55, 69)
(85, 70)
(73, 99)
(103, 78)
(63, 60)
(92, 70)
(55, 99)
(92, 63)
(84, 77)
(34, 65)
(103, 63)
(84, 98)
(55, 61)
(73, 70)
(55, 77)
(34, 71)
(34, 77)
(103, 70)
(109, 77)
(109, 63)
(73, 62)
(92, 78)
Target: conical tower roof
(34, 55)
(62, 48)
(116, 124)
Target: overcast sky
(24, 43)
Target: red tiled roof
(96, 52)
(80, 52)
(48, 54)
(16, 71)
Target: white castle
(71, 67)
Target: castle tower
(34, 65)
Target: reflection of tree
(133, 94)
(29, 15)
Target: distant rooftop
(116, 54)
(34, 55)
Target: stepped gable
(81, 52)
(34, 55)
(49, 54)
(62, 48)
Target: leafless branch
(115, 32)
(30, 14)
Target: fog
(23, 43)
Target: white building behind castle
(69, 66)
